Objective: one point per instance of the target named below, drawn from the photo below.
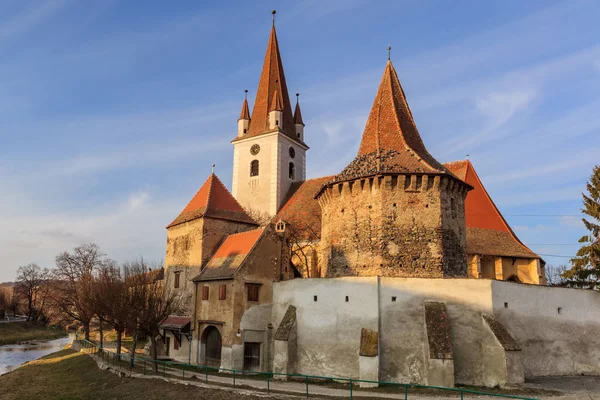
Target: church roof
(298, 114)
(245, 114)
(391, 142)
(301, 211)
(213, 200)
(230, 255)
(487, 231)
(272, 80)
(276, 102)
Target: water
(12, 356)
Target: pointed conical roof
(245, 114)
(298, 114)
(391, 142)
(213, 200)
(276, 102)
(272, 79)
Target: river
(12, 356)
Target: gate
(212, 340)
(252, 356)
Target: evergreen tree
(585, 272)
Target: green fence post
(350, 389)
(461, 395)
(183, 373)
(268, 384)
(165, 369)
(206, 373)
(405, 392)
(234, 378)
(306, 380)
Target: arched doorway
(211, 338)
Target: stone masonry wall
(189, 246)
(401, 226)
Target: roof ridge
(487, 195)
(248, 231)
(264, 228)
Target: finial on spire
(213, 168)
(297, 98)
(389, 52)
(246, 94)
(273, 16)
(467, 156)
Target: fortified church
(390, 270)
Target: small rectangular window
(175, 344)
(393, 298)
(505, 305)
(253, 291)
(315, 298)
(222, 292)
(205, 292)
(177, 280)
(347, 299)
(559, 310)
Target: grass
(71, 375)
(15, 332)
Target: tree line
(86, 287)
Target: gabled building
(494, 250)
(192, 238)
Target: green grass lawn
(14, 332)
(67, 374)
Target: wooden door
(252, 356)
(213, 346)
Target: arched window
(254, 168)
(292, 170)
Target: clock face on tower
(292, 152)
(255, 149)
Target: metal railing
(148, 366)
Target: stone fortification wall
(552, 343)
(400, 226)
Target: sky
(112, 112)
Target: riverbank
(68, 374)
(17, 332)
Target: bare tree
(72, 291)
(554, 275)
(156, 304)
(30, 279)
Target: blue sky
(112, 112)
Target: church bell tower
(269, 153)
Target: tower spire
(272, 80)
(389, 53)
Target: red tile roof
(298, 114)
(301, 211)
(230, 255)
(175, 322)
(272, 79)
(213, 200)
(245, 114)
(276, 102)
(487, 230)
(391, 142)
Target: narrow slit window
(315, 298)
(205, 292)
(292, 170)
(222, 292)
(177, 277)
